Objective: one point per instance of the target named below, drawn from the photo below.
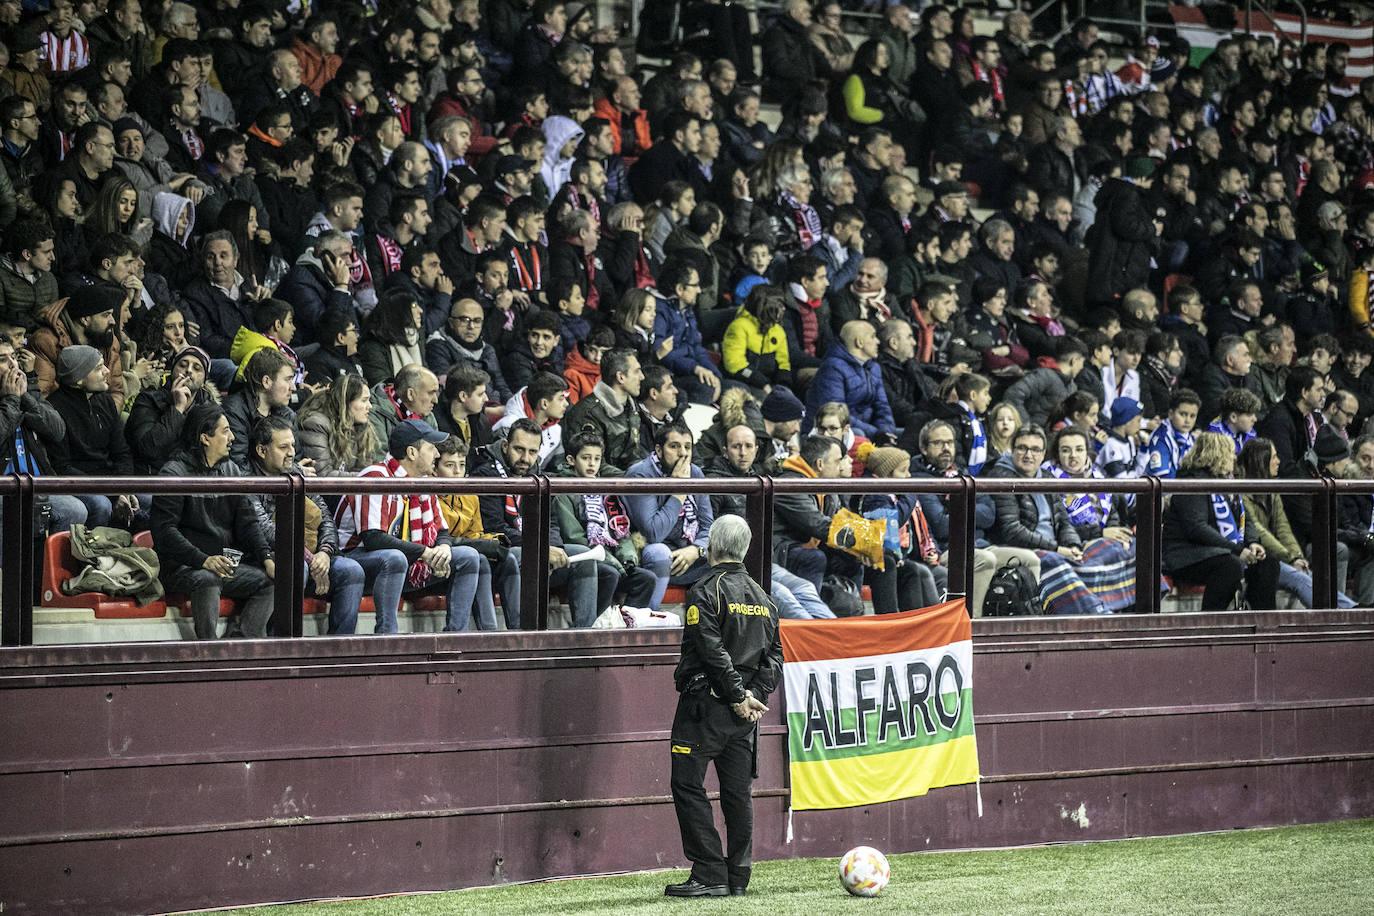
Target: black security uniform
(730, 644)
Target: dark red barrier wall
(158, 777)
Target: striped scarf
(807, 223)
(691, 524)
(1230, 520)
(607, 523)
(512, 504)
(419, 524)
(978, 453)
(1084, 508)
(391, 254)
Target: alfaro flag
(879, 708)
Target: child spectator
(1173, 437)
(912, 576)
(1239, 409)
(464, 520)
(1120, 455)
(582, 365)
(755, 347)
(544, 400)
(600, 520)
(568, 299)
(757, 257)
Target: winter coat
(154, 427)
(1121, 242)
(1287, 428)
(558, 130)
(52, 335)
(619, 429)
(1190, 535)
(219, 316)
(675, 321)
(792, 324)
(753, 356)
(443, 351)
(312, 441)
(570, 515)
(187, 529)
(21, 297)
(41, 426)
(94, 444)
(1266, 519)
(843, 378)
(311, 295)
(1038, 392)
(790, 60)
(242, 414)
(908, 388)
(1017, 515)
(800, 519)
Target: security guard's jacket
(730, 637)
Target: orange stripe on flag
(850, 637)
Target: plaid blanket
(1102, 584)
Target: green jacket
(620, 431)
(570, 514)
(20, 299)
(114, 565)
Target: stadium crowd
(474, 237)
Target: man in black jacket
(460, 340)
(29, 428)
(1125, 235)
(731, 661)
(909, 390)
(670, 159)
(158, 414)
(791, 59)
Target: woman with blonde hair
(334, 431)
(1205, 540)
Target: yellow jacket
(748, 349)
(1359, 298)
(462, 515)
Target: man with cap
(1120, 455)
(94, 445)
(731, 661)
(159, 414)
(87, 317)
(511, 179)
(401, 541)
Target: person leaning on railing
(1205, 540)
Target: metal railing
(536, 493)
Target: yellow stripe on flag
(875, 778)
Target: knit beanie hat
(781, 406)
(882, 461)
(76, 362)
(1330, 447)
(197, 352)
(94, 299)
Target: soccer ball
(864, 871)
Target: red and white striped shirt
(63, 55)
(359, 512)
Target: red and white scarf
(391, 254)
(983, 75)
(807, 223)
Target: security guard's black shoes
(694, 888)
(737, 891)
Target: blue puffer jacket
(843, 378)
(671, 320)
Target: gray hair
(793, 175)
(832, 178)
(994, 227)
(1329, 212)
(730, 537)
(331, 240)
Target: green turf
(1321, 869)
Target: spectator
(1093, 515)
(1120, 455)
(191, 534)
(1292, 423)
(1185, 322)
(1229, 371)
(790, 59)
(1125, 234)
(851, 375)
(966, 402)
(609, 410)
(31, 430)
(589, 584)
(676, 527)
(865, 299)
(1121, 376)
(601, 520)
(402, 542)
(268, 385)
(909, 390)
(1205, 539)
(272, 451)
(911, 576)
(336, 353)
(392, 338)
(693, 371)
(220, 298)
(1075, 578)
(807, 320)
(1239, 408)
(410, 396)
(159, 414)
(87, 318)
(319, 282)
(26, 280)
(1173, 437)
(1266, 519)
(464, 519)
(1039, 391)
(993, 333)
(755, 349)
(537, 353)
(669, 159)
(335, 433)
(801, 522)
(545, 401)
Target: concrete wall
(154, 777)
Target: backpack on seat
(1013, 592)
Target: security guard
(731, 661)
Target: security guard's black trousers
(704, 729)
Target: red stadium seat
(60, 565)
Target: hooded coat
(169, 253)
(555, 169)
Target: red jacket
(482, 140)
(605, 108)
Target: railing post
(288, 614)
(1148, 507)
(961, 530)
(535, 515)
(1324, 584)
(758, 513)
(16, 599)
